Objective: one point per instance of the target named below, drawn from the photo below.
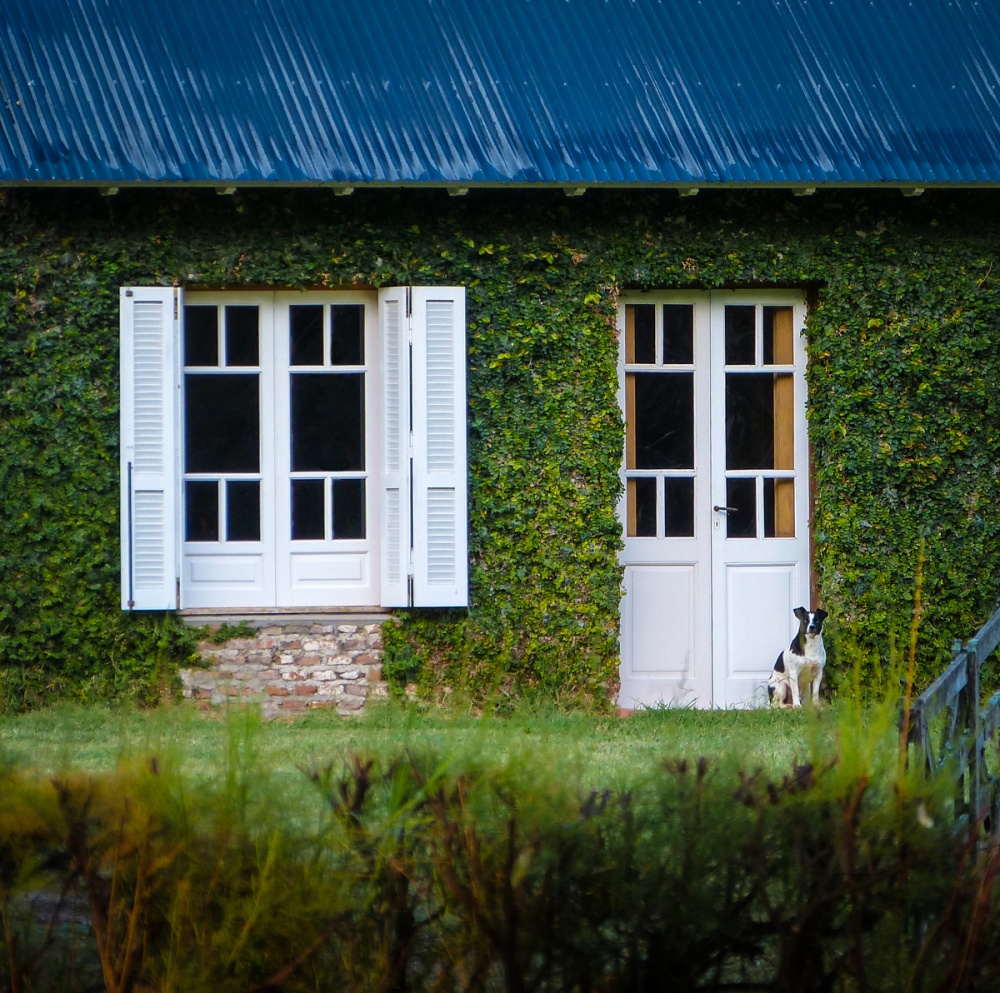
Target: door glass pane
(242, 510)
(662, 420)
(328, 422)
(221, 423)
(348, 508)
(641, 493)
(741, 517)
(305, 334)
(779, 508)
(784, 421)
(201, 336)
(678, 334)
(640, 333)
(749, 420)
(242, 336)
(740, 336)
(308, 509)
(347, 334)
(201, 510)
(779, 344)
(678, 498)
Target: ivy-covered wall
(904, 330)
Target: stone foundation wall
(290, 667)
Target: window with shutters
(293, 449)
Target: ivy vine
(903, 329)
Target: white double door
(716, 504)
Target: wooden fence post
(972, 663)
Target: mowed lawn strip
(608, 752)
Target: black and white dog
(802, 660)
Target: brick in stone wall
(288, 668)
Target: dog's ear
(801, 613)
(821, 614)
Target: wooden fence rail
(958, 743)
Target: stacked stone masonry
(290, 668)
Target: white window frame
(416, 459)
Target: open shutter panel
(395, 537)
(440, 514)
(149, 362)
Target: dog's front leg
(814, 684)
(796, 692)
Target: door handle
(725, 510)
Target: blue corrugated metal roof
(465, 92)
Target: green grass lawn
(605, 751)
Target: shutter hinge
(176, 303)
(409, 301)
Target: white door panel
(326, 385)
(661, 635)
(666, 611)
(665, 644)
(321, 569)
(219, 580)
(224, 358)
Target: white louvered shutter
(149, 370)
(440, 515)
(395, 538)
(424, 490)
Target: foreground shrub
(444, 873)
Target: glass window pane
(201, 510)
(678, 499)
(749, 420)
(242, 510)
(779, 344)
(678, 334)
(201, 335)
(221, 423)
(663, 419)
(740, 338)
(741, 499)
(308, 509)
(242, 336)
(305, 325)
(640, 333)
(347, 334)
(642, 508)
(328, 422)
(779, 508)
(348, 508)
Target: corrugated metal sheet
(467, 92)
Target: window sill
(259, 617)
